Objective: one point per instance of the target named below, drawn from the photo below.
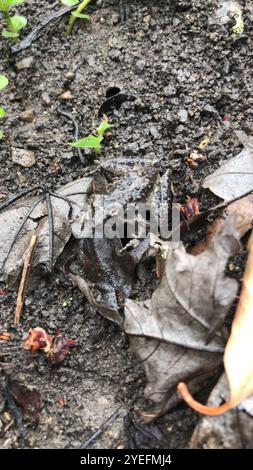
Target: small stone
(183, 115)
(66, 96)
(114, 54)
(154, 132)
(28, 115)
(24, 63)
(209, 109)
(91, 60)
(132, 148)
(70, 76)
(140, 65)
(45, 98)
(67, 155)
(170, 90)
(23, 157)
(139, 105)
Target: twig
(36, 32)
(100, 431)
(76, 127)
(24, 279)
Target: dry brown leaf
(234, 177)
(238, 357)
(15, 236)
(170, 331)
(242, 208)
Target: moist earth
(192, 78)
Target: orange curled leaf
(238, 357)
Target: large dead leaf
(235, 177)
(170, 331)
(232, 430)
(238, 357)
(20, 220)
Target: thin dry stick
(244, 309)
(24, 279)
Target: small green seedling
(238, 28)
(15, 23)
(76, 13)
(93, 141)
(3, 83)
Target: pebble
(24, 63)
(140, 65)
(170, 90)
(154, 132)
(23, 157)
(70, 76)
(183, 115)
(114, 54)
(209, 109)
(28, 115)
(66, 96)
(45, 98)
(132, 148)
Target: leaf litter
(177, 332)
(49, 215)
(238, 352)
(234, 177)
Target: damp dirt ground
(192, 79)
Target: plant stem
(8, 20)
(72, 18)
(9, 23)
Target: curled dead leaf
(238, 357)
(177, 333)
(234, 177)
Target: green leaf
(9, 35)
(90, 142)
(69, 3)
(103, 127)
(1, 135)
(18, 22)
(80, 15)
(2, 112)
(6, 4)
(12, 3)
(3, 82)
